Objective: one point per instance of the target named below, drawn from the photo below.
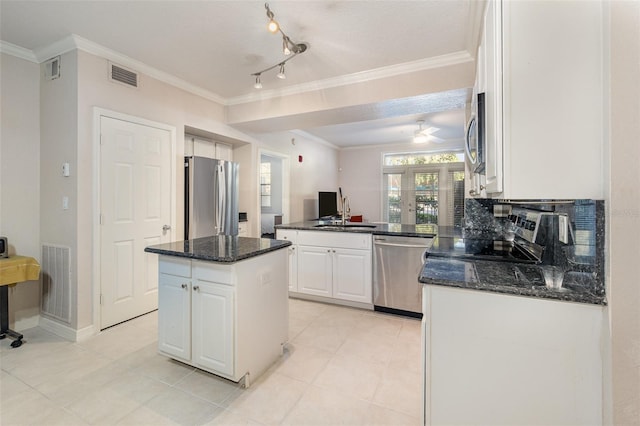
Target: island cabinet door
(213, 325)
(174, 316)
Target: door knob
(184, 286)
(165, 228)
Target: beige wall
(20, 177)
(624, 210)
(360, 174)
(318, 171)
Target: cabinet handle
(196, 287)
(482, 187)
(334, 251)
(328, 251)
(184, 286)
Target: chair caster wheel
(16, 343)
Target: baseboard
(331, 300)
(65, 331)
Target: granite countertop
(446, 266)
(393, 229)
(221, 248)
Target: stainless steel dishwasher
(397, 264)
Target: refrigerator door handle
(222, 196)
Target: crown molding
(17, 51)
(73, 42)
(390, 71)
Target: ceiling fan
(426, 135)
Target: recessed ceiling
(217, 45)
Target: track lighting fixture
(273, 25)
(289, 48)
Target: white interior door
(135, 211)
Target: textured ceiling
(216, 45)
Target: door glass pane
(393, 197)
(457, 199)
(426, 194)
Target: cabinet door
(492, 79)
(224, 152)
(174, 316)
(315, 270)
(352, 275)
(213, 325)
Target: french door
(423, 195)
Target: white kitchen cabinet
(291, 235)
(335, 266)
(352, 275)
(243, 229)
(174, 326)
(542, 74)
(200, 147)
(230, 319)
(212, 327)
(315, 266)
(510, 360)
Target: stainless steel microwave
(4, 247)
(475, 145)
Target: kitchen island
(223, 304)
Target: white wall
(318, 171)
(20, 178)
(624, 211)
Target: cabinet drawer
(213, 272)
(335, 239)
(287, 234)
(175, 266)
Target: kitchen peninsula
(222, 304)
(513, 314)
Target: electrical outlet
(65, 203)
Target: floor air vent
(56, 282)
(122, 75)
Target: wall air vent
(52, 68)
(123, 75)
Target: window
(423, 188)
(265, 184)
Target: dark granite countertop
(221, 249)
(510, 278)
(394, 229)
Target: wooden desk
(14, 270)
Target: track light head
(258, 83)
(273, 25)
(281, 75)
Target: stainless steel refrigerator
(211, 197)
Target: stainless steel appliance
(475, 137)
(397, 264)
(211, 197)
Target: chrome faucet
(346, 209)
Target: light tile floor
(342, 366)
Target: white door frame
(97, 114)
(286, 196)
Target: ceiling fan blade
(435, 139)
